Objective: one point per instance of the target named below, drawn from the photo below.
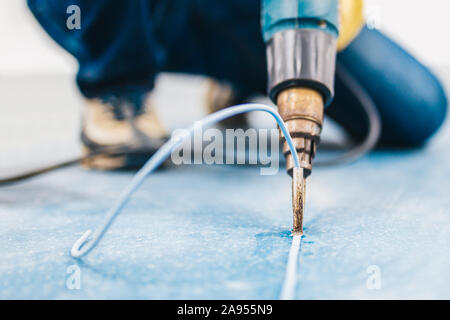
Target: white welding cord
(290, 278)
(89, 240)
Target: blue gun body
(292, 14)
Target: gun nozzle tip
(298, 200)
(297, 232)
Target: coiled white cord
(87, 242)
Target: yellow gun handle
(351, 14)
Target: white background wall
(25, 47)
(422, 26)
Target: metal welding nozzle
(302, 110)
(298, 200)
(301, 67)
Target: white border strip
(290, 279)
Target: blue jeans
(123, 44)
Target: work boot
(120, 132)
(220, 95)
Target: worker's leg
(123, 44)
(116, 47)
(409, 98)
(221, 39)
(119, 55)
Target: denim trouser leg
(410, 99)
(124, 44)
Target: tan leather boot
(120, 136)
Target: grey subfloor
(214, 231)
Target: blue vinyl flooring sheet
(223, 232)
